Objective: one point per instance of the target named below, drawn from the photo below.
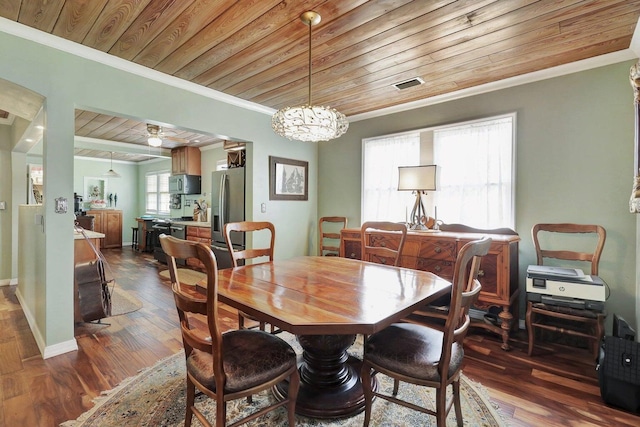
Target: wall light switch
(3, 206)
(263, 208)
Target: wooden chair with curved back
(225, 366)
(435, 315)
(439, 309)
(423, 355)
(332, 235)
(584, 323)
(374, 252)
(253, 253)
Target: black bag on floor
(619, 370)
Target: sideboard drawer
(384, 240)
(438, 249)
(442, 268)
(352, 249)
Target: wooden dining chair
(382, 251)
(426, 356)
(264, 253)
(226, 366)
(327, 238)
(435, 314)
(583, 323)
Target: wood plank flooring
(556, 387)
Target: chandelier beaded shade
(309, 122)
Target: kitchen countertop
(193, 223)
(90, 234)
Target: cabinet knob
(383, 244)
(437, 268)
(352, 255)
(383, 260)
(437, 249)
(481, 273)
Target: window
(476, 184)
(157, 193)
(381, 200)
(476, 173)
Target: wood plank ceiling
(257, 50)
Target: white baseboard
(45, 351)
(8, 282)
(60, 348)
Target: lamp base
(417, 227)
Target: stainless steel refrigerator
(227, 205)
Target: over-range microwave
(184, 184)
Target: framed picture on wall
(288, 179)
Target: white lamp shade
(418, 178)
(154, 141)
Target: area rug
(187, 276)
(122, 302)
(156, 397)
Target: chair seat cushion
(412, 350)
(250, 358)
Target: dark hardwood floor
(556, 387)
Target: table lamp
(419, 179)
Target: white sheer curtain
(381, 200)
(476, 173)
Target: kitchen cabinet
(109, 223)
(186, 160)
(198, 234)
(436, 252)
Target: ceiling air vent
(416, 81)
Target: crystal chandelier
(309, 122)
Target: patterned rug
(156, 397)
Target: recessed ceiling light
(40, 127)
(29, 140)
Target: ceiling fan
(155, 135)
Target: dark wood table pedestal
(330, 384)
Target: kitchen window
(476, 182)
(157, 193)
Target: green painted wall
(69, 82)
(574, 163)
(125, 187)
(5, 196)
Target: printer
(567, 287)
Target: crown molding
(633, 52)
(41, 37)
(25, 32)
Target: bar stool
(134, 238)
(149, 236)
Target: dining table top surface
(313, 295)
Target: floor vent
(416, 81)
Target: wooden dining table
(325, 302)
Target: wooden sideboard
(437, 251)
